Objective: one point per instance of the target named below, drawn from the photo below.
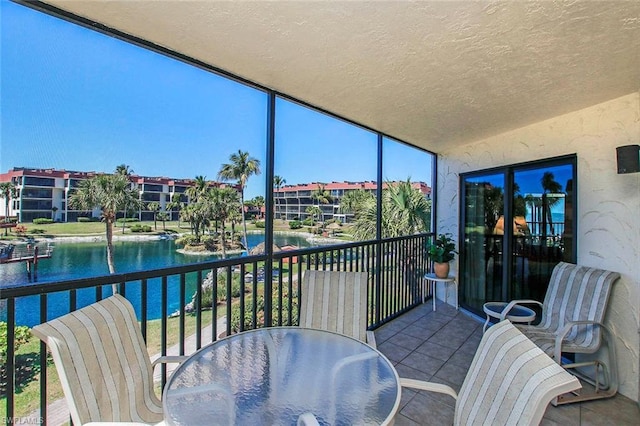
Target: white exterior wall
(608, 206)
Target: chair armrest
(371, 339)
(513, 303)
(428, 386)
(557, 351)
(169, 359)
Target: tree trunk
(244, 223)
(224, 242)
(112, 267)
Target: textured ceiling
(432, 73)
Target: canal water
(82, 260)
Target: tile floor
(439, 346)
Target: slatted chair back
(510, 381)
(335, 301)
(103, 363)
(576, 293)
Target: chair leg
(597, 389)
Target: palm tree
(7, 191)
(354, 200)
(279, 182)
(411, 210)
(163, 216)
(405, 211)
(366, 217)
(549, 185)
(124, 170)
(198, 214)
(225, 204)
(154, 207)
(175, 203)
(534, 203)
(196, 211)
(493, 197)
(241, 167)
(322, 196)
(258, 202)
(313, 211)
(110, 193)
(198, 189)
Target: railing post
(11, 372)
(268, 237)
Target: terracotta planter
(441, 269)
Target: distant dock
(30, 254)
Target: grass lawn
(71, 229)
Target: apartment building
(292, 201)
(44, 193)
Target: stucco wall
(608, 203)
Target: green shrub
(308, 222)
(221, 290)
(22, 335)
(140, 228)
(209, 243)
(88, 219)
(127, 220)
(187, 240)
(248, 313)
(36, 231)
(295, 224)
(42, 221)
(260, 224)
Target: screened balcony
(503, 85)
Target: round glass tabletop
(275, 375)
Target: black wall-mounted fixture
(628, 158)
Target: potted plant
(442, 251)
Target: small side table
(518, 314)
(451, 279)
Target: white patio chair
(573, 313)
(336, 301)
(103, 364)
(510, 381)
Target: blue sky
(75, 99)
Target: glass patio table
(276, 375)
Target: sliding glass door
(501, 263)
